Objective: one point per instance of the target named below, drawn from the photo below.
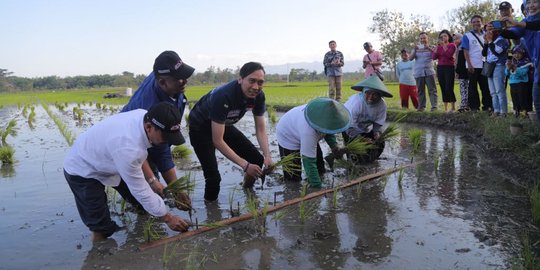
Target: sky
(69, 38)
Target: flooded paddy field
(457, 209)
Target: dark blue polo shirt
(148, 94)
(225, 105)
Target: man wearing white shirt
(114, 150)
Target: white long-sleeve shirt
(115, 149)
(365, 117)
(294, 133)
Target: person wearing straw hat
(300, 129)
(113, 153)
(368, 112)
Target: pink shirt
(446, 58)
(375, 56)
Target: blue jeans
(497, 90)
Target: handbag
(488, 68)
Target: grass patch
(534, 198)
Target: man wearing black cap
(165, 84)
(505, 9)
(113, 153)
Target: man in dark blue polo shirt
(166, 83)
(211, 126)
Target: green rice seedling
(168, 254)
(436, 160)
(181, 151)
(31, 117)
(182, 184)
(359, 146)
(25, 111)
(400, 180)
(359, 187)
(61, 126)
(186, 117)
(335, 197)
(534, 198)
(288, 164)
(415, 136)
(231, 200)
(7, 154)
(98, 105)
(272, 114)
(151, 230)
(391, 132)
(302, 206)
(123, 204)
(279, 215)
(8, 130)
(305, 210)
(384, 181)
(264, 214)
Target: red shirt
(446, 58)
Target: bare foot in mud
(98, 237)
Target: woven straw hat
(327, 115)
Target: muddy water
(456, 210)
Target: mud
(459, 209)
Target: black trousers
(445, 75)
(298, 175)
(476, 79)
(521, 96)
(201, 140)
(91, 201)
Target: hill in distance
(350, 66)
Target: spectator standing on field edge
(333, 61)
(372, 61)
(472, 44)
(462, 74)
(407, 84)
(496, 52)
(444, 53)
(424, 72)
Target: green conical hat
(327, 115)
(373, 83)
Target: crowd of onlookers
(486, 60)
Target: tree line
(212, 75)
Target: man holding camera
(333, 61)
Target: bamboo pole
(284, 204)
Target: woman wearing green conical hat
(300, 129)
(368, 112)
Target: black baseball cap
(367, 45)
(504, 5)
(169, 63)
(166, 117)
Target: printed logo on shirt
(226, 105)
(233, 114)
